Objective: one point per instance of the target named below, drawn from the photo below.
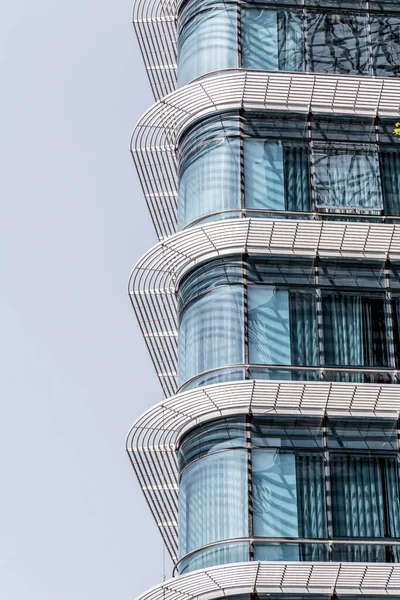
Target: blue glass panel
(287, 432)
(303, 328)
(278, 374)
(390, 170)
(365, 496)
(259, 39)
(211, 332)
(365, 553)
(276, 551)
(276, 175)
(297, 176)
(268, 324)
(209, 181)
(311, 502)
(352, 273)
(208, 42)
(216, 555)
(263, 174)
(385, 33)
(338, 43)
(213, 500)
(274, 494)
(217, 434)
(284, 551)
(210, 275)
(217, 376)
(354, 330)
(346, 177)
(282, 327)
(272, 40)
(362, 434)
(281, 270)
(344, 128)
(288, 495)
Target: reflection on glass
(282, 327)
(385, 31)
(216, 555)
(207, 42)
(288, 494)
(338, 43)
(365, 501)
(209, 181)
(269, 332)
(276, 175)
(354, 330)
(213, 501)
(211, 332)
(346, 177)
(272, 40)
(390, 168)
(284, 551)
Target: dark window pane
(365, 496)
(385, 32)
(352, 273)
(354, 330)
(338, 43)
(288, 495)
(362, 434)
(390, 170)
(213, 435)
(287, 271)
(287, 432)
(272, 40)
(346, 177)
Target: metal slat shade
(155, 136)
(153, 281)
(155, 28)
(153, 438)
(285, 578)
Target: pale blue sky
(75, 373)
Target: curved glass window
(321, 37)
(213, 500)
(211, 332)
(307, 490)
(207, 43)
(272, 164)
(330, 320)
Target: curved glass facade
(354, 38)
(285, 165)
(287, 318)
(288, 488)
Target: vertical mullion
(371, 54)
(241, 161)
(318, 301)
(328, 495)
(239, 33)
(311, 163)
(389, 320)
(249, 484)
(245, 316)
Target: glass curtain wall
(322, 37)
(288, 165)
(281, 318)
(301, 489)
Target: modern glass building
(271, 304)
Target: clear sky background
(75, 373)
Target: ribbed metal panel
(152, 284)
(154, 138)
(280, 577)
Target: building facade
(271, 304)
